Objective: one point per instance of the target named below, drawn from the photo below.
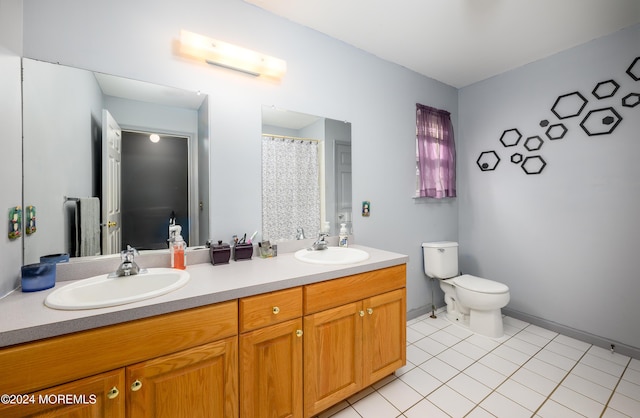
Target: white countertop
(24, 317)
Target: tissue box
(220, 253)
(39, 276)
(242, 252)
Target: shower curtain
(290, 188)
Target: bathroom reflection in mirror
(64, 161)
(306, 174)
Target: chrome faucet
(300, 233)
(320, 243)
(128, 267)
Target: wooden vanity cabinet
(289, 353)
(355, 334)
(182, 364)
(271, 355)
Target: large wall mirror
(306, 174)
(95, 144)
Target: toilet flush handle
(441, 250)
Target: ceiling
(460, 42)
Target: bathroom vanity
(266, 337)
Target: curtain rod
(292, 137)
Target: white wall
(565, 241)
(325, 77)
(10, 139)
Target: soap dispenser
(178, 247)
(343, 238)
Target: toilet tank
(440, 259)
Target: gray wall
(10, 137)
(564, 241)
(11, 167)
(325, 77)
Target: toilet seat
(478, 284)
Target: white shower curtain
(290, 188)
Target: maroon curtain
(436, 153)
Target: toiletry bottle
(178, 257)
(326, 228)
(343, 239)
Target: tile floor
(530, 372)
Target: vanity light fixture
(231, 56)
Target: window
(435, 153)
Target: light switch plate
(366, 208)
(15, 222)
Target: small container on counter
(267, 250)
(55, 258)
(38, 276)
(220, 253)
(242, 251)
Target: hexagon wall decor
(631, 100)
(569, 105)
(488, 161)
(605, 89)
(510, 137)
(533, 165)
(533, 143)
(601, 121)
(634, 69)
(556, 131)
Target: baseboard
(596, 340)
(423, 310)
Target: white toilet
(471, 301)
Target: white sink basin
(332, 255)
(102, 291)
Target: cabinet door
(198, 382)
(92, 397)
(332, 356)
(271, 371)
(384, 335)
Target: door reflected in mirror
(306, 174)
(65, 162)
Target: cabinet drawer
(332, 293)
(270, 308)
(62, 359)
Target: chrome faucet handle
(128, 254)
(320, 243)
(128, 267)
(300, 233)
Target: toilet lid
(480, 285)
